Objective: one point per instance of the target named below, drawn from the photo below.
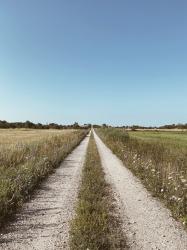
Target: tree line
(135, 127)
(31, 125)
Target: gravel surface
(147, 223)
(43, 223)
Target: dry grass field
(14, 136)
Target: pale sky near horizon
(119, 62)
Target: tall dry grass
(161, 166)
(23, 165)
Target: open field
(26, 157)
(13, 136)
(175, 138)
(159, 159)
(159, 129)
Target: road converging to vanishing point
(43, 222)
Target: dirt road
(147, 223)
(43, 223)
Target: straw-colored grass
(14, 136)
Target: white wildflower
(183, 180)
(173, 198)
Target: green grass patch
(174, 139)
(95, 226)
(159, 159)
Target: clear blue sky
(98, 61)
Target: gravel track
(146, 222)
(43, 223)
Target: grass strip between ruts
(95, 226)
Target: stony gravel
(43, 223)
(147, 223)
